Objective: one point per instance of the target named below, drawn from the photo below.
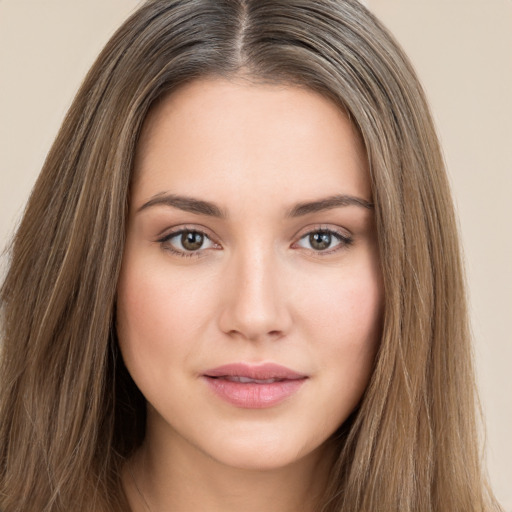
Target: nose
(254, 300)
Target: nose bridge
(255, 305)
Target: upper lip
(251, 371)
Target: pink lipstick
(254, 386)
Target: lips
(254, 386)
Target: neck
(181, 478)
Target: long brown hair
(69, 413)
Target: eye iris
(192, 240)
(320, 240)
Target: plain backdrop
(462, 50)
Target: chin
(263, 453)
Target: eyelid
(168, 234)
(345, 239)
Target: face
(250, 295)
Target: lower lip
(253, 395)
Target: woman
(237, 283)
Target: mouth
(260, 372)
(254, 386)
(247, 380)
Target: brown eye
(192, 240)
(324, 241)
(320, 240)
(187, 242)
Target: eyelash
(344, 241)
(164, 242)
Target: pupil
(319, 240)
(192, 240)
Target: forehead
(214, 137)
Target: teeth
(247, 380)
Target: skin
(256, 291)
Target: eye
(187, 241)
(324, 240)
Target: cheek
(158, 318)
(348, 307)
(345, 322)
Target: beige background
(462, 50)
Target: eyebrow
(200, 207)
(188, 204)
(328, 203)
